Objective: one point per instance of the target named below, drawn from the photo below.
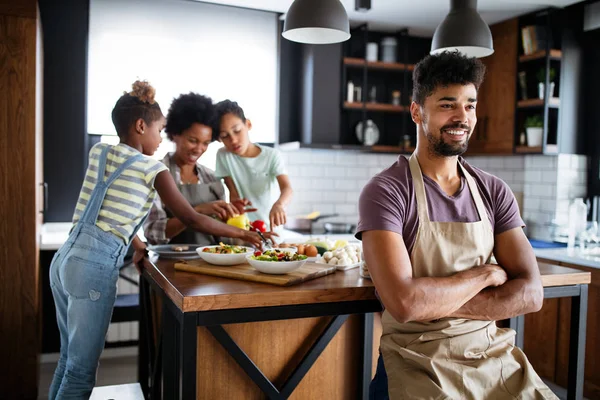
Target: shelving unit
(538, 73)
(375, 107)
(377, 81)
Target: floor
(117, 366)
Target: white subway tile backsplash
(331, 181)
(519, 176)
(322, 184)
(374, 171)
(563, 162)
(368, 159)
(548, 205)
(346, 158)
(578, 162)
(532, 203)
(352, 197)
(300, 184)
(385, 160)
(516, 186)
(345, 184)
(310, 171)
(322, 157)
(533, 176)
(357, 172)
(549, 176)
(346, 209)
(506, 176)
(324, 208)
(334, 172)
(496, 162)
(335, 197)
(514, 162)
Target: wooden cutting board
(245, 272)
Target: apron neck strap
(421, 195)
(92, 209)
(419, 188)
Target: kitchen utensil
(224, 259)
(371, 134)
(267, 245)
(169, 251)
(245, 272)
(339, 227)
(305, 223)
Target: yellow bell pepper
(241, 221)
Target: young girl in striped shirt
(118, 190)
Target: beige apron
(454, 358)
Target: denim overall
(83, 278)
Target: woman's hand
(220, 208)
(277, 216)
(255, 240)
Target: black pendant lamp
(316, 22)
(463, 30)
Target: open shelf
(360, 62)
(392, 149)
(553, 102)
(550, 149)
(554, 55)
(375, 107)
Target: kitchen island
(223, 338)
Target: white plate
(167, 251)
(275, 267)
(224, 259)
(347, 267)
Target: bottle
(577, 221)
(350, 92)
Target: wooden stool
(128, 391)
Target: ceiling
(420, 17)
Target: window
(181, 46)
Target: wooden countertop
(196, 292)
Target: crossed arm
(487, 292)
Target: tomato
(257, 253)
(259, 225)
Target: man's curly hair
(188, 109)
(443, 69)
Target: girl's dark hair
(226, 107)
(446, 68)
(188, 109)
(139, 103)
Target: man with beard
(445, 248)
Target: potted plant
(541, 76)
(534, 126)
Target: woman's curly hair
(131, 106)
(188, 109)
(443, 69)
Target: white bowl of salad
(276, 261)
(224, 254)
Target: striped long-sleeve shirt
(130, 196)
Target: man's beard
(438, 147)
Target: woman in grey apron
(189, 126)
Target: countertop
(54, 234)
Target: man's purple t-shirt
(388, 202)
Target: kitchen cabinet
(493, 133)
(21, 202)
(547, 336)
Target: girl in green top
(251, 171)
